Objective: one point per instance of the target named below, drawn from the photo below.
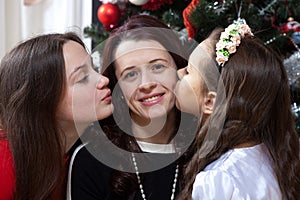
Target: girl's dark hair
(258, 111)
(32, 79)
(137, 28)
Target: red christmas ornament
(109, 14)
(291, 25)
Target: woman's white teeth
(151, 98)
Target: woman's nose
(102, 82)
(147, 81)
(147, 85)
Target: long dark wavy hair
(137, 28)
(32, 79)
(258, 111)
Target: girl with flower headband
(247, 146)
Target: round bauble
(290, 26)
(109, 14)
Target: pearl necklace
(140, 183)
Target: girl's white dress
(242, 173)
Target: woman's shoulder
(88, 177)
(7, 176)
(6, 158)
(4, 144)
(84, 157)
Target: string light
(275, 38)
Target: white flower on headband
(230, 39)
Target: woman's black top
(91, 179)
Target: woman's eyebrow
(158, 59)
(126, 69)
(76, 69)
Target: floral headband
(230, 39)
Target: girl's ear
(209, 102)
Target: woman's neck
(157, 131)
(71, 133)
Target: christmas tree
(276, 22)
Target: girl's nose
(181, 72)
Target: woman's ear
(209, 102)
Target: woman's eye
(84, 79)
(130, 75)
(158, 67)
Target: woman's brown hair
(32, 79)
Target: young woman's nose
(102, 82)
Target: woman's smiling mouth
(150, 100)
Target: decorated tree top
(274, 21)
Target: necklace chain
(140, 183)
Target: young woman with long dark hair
(50, 93)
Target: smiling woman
(140, 58)
(142, 76)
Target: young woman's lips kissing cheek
(107, 97)
(151, 99)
